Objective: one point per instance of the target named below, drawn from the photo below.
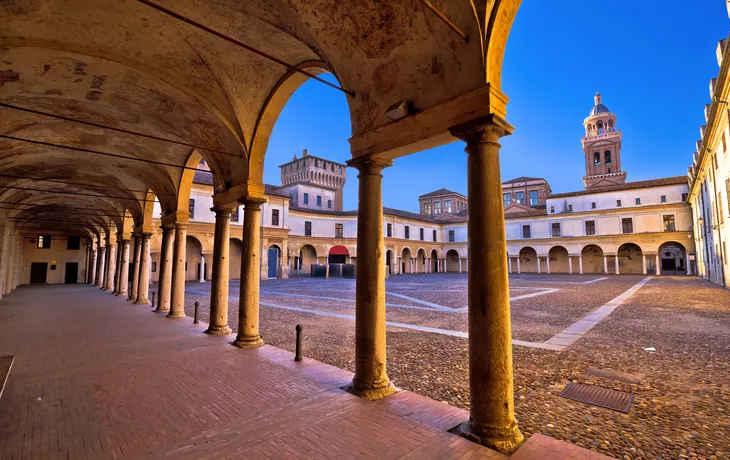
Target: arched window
(600, 127)
(607, 157)
(597, 158)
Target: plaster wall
(56, 255)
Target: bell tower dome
(602, 147)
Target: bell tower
(602, 148)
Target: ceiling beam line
(61, 207)
(103, 187)
(39, 212)
(242, 45)
(111, 128)
(98, 152)
(445, 20)
(61, 192)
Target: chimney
(305, 153)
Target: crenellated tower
(602, 148)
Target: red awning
(339, 251)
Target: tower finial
(597, 98)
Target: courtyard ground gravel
(682, 403)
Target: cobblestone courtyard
(682, 403)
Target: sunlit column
(547, 264)
(135, 265)
(538, 265)
(165, 280)
(219, 282)
(580, 264)
(144, 270)
(94, 261)
(248, 298)
(688, 265)
(643, 264)
(177, 294)
(491, 383)
(100, 267)
(570, 265)
(658, 270)
(124, 270)
(605, 264)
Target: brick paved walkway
(98, 377)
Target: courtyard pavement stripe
(423, 302)
(351, 301)
(578, 329)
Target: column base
(161, 310)
(177, 314)
(247, 342)
(122, 293)
(142, 302)
(219, 330)
(504, 440)
(371, 393)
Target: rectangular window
(593, 205)
(338, 231)
(154, 267)
(307, 228)
(234, 215)
(669, 224)
(447, 206)
(507, 199)
(427, 208)
(437, 207)
(451, 236)
(319, 201)
(684, 195)
(533, 197)
(627, 225)
(556, 229)
(570, 208)
(191, 208)
(329, 204)
(44, 241)
(520, 197)
(306, 198)
(590, 227)
(552, 209)
(525, 231)
(274, 217)
(664, 198)
(434, 235)
(408, 231)
(74, 243)
(638, 201)
(389, 230)
(422, 235)
(719, 207)
(618, 203)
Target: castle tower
(602, 148)
(313, 182)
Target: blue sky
(652, 61)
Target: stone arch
(558, 256)
(528, 260)
(630, 258)
(672, 258)
(452, 261)
(389, 261)
(434, 261)
(235, 250)
(193, 253)
(592, 256)
(421, 260)
(406, 260)
(307, 257)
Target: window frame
(552, 230)
(527, 227)
(506, 199)
(339, 230)
(274, 217)
(407, 231)
(434, 236)
(421, 234)
(389, 230)
(585, 227)
(307, 228)
(537, 197)
(673, 222)
(452, 236)
(623, 225)
(517, 198)
(43, 241)
(306, 198)
(191, 208)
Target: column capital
(252, 202)
(488, 128)
(167, 228)
(145, 235)
(369, 164)
(222, 211)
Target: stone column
(518, 266)
(165, 282)
(509, 264)
(92, 268)
(570, 265)
(605, 264)
(687, 264)
(219, 282)
(538, 265)
(201, 269)
(143, 288)
(459, 264)
(371, 379)
(135, 265)
(658, 270)
(100, 267)
(617, 269)
(580, 264)
(492, 420)
(177, 294)
(124, 270)
(643, 264)
(117, 266)
(547, 264)
(105, 268)
(248, 299)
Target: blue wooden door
(273, 263)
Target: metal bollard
(298, 349)
(195, 317)
(153, 299)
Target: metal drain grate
(597, 396)
(609, 374)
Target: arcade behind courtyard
(681, 404)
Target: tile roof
(440, 192)
(675, 180)
(522, 179)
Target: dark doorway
(273, 263)
(337, 259)
(38, 272)
(72, 272)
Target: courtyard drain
(597, 396)
(610, 374)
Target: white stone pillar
(580, 264)
(201, 269)
(124, 270)
(643, 264)
(459, 264)
(518, 265)
(144, 270)
(509, 264)
(658, 270)
(617, 270)
(689, 267)
(538, 265)
(547, 264)
(605, 264)
(570, 265)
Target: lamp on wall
(701, 224)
